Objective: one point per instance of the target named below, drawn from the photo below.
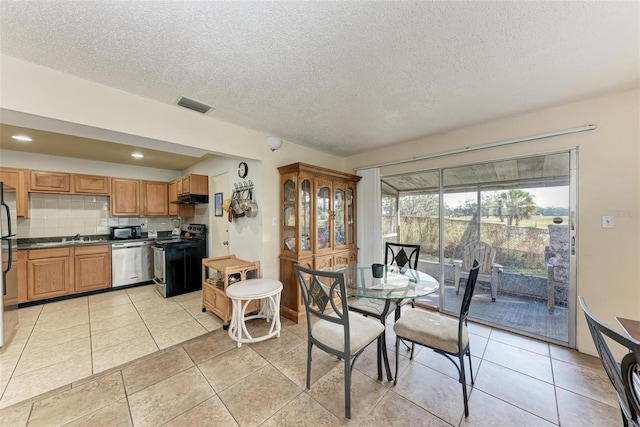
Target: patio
(518, 313)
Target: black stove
(195, 233)
(178, 262)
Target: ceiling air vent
(193, 105)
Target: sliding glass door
(513, 216)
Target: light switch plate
(607, 221)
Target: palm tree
(516, 205)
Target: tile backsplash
(52, 215)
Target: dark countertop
(56, 242)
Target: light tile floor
(207, 380)
(62, 342)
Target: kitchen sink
(46, 244)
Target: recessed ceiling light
(22, 138)
(137, 155)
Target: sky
(545, 197)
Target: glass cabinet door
(323, 218)
(305, 215)
(289, 216)
(289, 191)
(351, 231)
(339, 217)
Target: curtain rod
(483, 147)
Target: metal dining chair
(444, 334)
(624, 377)
(330, 326)
(396, 254)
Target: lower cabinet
(217, 274)
(50, 273)
(92, 268)
(291, 303)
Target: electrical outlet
(607, 221)
(274, 221)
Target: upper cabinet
(61, 182)
(176, 209)
(91, 184)
(18, 178)
(155, 198)
(125, 197)
(193, 184)
(44, 181)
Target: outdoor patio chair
(332, 327)
(485, 254)
(556, 257)
(446, 335)
(624, 377)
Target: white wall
(608, 182)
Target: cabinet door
(173, 196)
(155, 198)
(92, 268)
(323, 219)
(289, 219)
(339, 215)
(125, 197)
(58, 182)
(198, 184)
(48, 278)
(183, 188)
(351, 215)
(17, 179)
(90, 184)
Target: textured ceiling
(341, 77)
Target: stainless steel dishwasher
(131, 262)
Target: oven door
(159, 269)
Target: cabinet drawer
(88, 250)
(49, 253)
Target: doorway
(219, 224)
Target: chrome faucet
(76, 236)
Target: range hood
(192, 199)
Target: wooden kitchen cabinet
(18, 179)
(92, 267)
(49, 273)
(155, 199)
(217, 274)
(193, 184)
(177, 209)
(90, 184)
(318, 226)
(45, 181)
(125, 197)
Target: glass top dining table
(395, 285)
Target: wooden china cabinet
(317, 226)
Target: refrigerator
(9, 277)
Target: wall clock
(243, 170)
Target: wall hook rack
(242, 186)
